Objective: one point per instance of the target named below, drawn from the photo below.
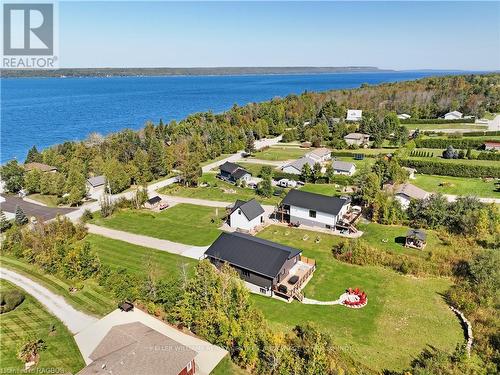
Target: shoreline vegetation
(217, 71)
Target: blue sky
(394, 35)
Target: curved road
(57, 305)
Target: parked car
(163, 206)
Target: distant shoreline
(172, 72)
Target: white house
(411, 172)
(404, 193)
(357, 139)
(312, 209)
(96, 186)
(246, 215)
(320, 155)
(454, 115)
(354, 115)
(343, 168)
(296, 166)
(404, 116)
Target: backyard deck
(303, 269)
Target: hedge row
(438, 121)
(10, 299)
(278, 175)
(451, 169)
(445, 142)
(488, 156)
(483, 133)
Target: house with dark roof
(416, 238)
(265, 266)
(246, 215)
(316, 210)
(135, 348)
(233, 173)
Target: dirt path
(75, 320)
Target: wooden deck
(304, 270)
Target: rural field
(457, 185)
(454, 126)
(184, 223)
(399, 307)
(30, 321)
(278, 152)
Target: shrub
(87, 215)
(457, 169)
(445, 142)
(10, 299)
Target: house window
(262, 219)
(312, 213)
(239, 212)
(189, 366)
(263, 290)
(328, 226)
(245, 273)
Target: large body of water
(47, 111)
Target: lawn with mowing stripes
(132, 257)
(404, 314)
(91, 299)
(184, 223)
(457, 185)
(31, 321)
(281, 153)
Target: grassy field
(48, 200)
(279, 152)
(227, 367)
(91, 299)
(399, 307)
(325, 189)
(456, 126)
(30, 320)
(210, 161)
(116, 253)
(456, 185)
(184, 223)
(217, 190)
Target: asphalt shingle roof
(316, 202)
(97, 181)
(251, 253)
(250, 209)
(345, 166)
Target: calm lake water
(47, 111)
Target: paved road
(190, 251)
(31, 209)
(72, 318)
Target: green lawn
(456, 126)
(48, 200)
(325, 189)
(403, 316)
(220, 157)
(116, 253)
(217, 190)
(456, 185)
(227, 367)
(279, 152)
(91, 299)
(184, 223)
(30, 320)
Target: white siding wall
(238, 220)
(321, 218)
(95, 192)
(353, 141)
(292, 170)
(404, 200)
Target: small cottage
(416, 239)
(246, 215)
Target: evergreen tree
(20, 218)
(4, 223)
(316, 172)
(250, 144)
(329, 173)
(306, 173)
(33, 156)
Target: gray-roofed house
(316, 210)
(416, 238)
(134, 348)
(343, 168)
(320, 154)
(233, 173)
(295, 167)
(404, 193)
(96, 186)
(265, 266)
(246, 215)
(358, 139)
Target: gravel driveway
(72, 318)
